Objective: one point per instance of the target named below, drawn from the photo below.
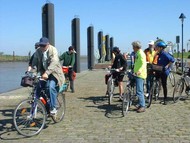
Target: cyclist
(46, 61)
(68, 58)
(120, 65)
(150, 54)
(141, 74)
(165, 60)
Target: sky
(124, 20)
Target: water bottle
(43, 100)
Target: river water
(11, 73)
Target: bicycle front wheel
(29, 117)
(177, 92)
(126, 102)
(60, 108)
(110, 90)
(172, 78)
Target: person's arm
(73, 60)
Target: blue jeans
(52, 90)
(148, 83)
(140, 91)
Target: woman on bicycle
(120, 65)
(165, 60)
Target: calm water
(11, 73)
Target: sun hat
(151, 42)
(43, 41)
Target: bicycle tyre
(110, 91)
(60, 109)
(177, 92)
(172, 79)
(126, 102)
(155, 90)
(23, 122)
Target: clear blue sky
(125, 20)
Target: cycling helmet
(161, 44)
(115, 49)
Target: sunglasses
(42, 46)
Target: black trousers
(70, 75)
(163, 78)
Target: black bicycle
(130, 97)
(182, 83)
(30, 114)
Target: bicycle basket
(65, 69)
(27, 81)
(157, 68)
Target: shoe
(121, 97)
(53, 112)
(137, 106)
(164, 102)
(146, 95)
(72, 91)
(141, 109)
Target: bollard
(90, 47)
(111, 45)
(76, 42)
(107, 45)
(48, 22)
(100, 44)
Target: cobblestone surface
(89, 118)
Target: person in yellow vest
(150, 56)
(140, 72)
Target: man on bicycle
(120, 65)
(140, 72)
(68, 58)
(165, 60)
(46, 61)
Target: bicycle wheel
(60, 109)
(155, 90)
(29, 117)
(177, 92)
(110, 90)
(171, 78)
(126, 102)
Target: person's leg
(70, 74)
(140, 92)
(120, 84)
(164, 85)
(52, 83)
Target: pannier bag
(27, 81)
(157, 68)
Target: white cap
(151, 42)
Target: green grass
(185, 55)
(10, 58)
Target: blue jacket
(163, 59)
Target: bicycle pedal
(32, 124)
(23, 111)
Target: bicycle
(171, 78)
(129, 96)
(30, 114)
(182, 83)
(111, 84)
(155, 83)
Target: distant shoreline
(11, 58)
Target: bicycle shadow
(101, 102)
(7, 129)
